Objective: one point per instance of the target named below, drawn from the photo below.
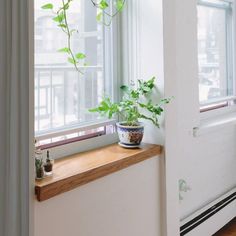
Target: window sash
(110, 55)
(57, 132)
(219, 100)
(220, 4)
(226, 5)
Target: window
(63, 95)
(216, 54)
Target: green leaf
(146, 89)
(93, 110)
(157, 110)
(142, 105)
(80, 56)
(62, 26)
(110, 114)
(119, 5)
(104, 104)
(102, 109)
(166, 100)
(134, 94)
(124, 88)
(67, 50)
(56, 19)
(103, 4)
(59, 18)
(71, 60)
(47, 6)
(73, 31)
(99, 17)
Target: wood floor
(228, 230)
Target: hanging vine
(104, 16)
(103, 13)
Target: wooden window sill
(73, 171)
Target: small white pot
(130, 136)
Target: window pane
(63, 95)
(213, 58)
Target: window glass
(62, 94)
(215, 51)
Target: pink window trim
(216, 106)
(72, 140)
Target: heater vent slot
(196, 221)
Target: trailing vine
(103, 6)
(61, 18)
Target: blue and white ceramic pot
(130, 135)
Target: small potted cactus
(39, 168)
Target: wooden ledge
(79, 169)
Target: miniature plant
(39, 167)
(132, 107)
(48, 165)
(38, 163)
(61, 18)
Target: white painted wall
(150, 56)
(206, 162)
(171, 120)
(129, 202)
(209, 168)
(121, 204)
(210, 226)
(150, 53)
(142, 43)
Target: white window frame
(215, 106)
(112, 43)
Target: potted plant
(48, 165)
(135, 105)
(39, 168)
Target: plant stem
(105, 12)
(69, 36)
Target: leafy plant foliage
(132, 106)
(38, 163)
(104, 16)
(61, 19)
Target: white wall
(121, 204)
(209, 227)
(150, 56)
(142, 28)
(171, 120)
(129, 202)
(206, 162)
(209, 167)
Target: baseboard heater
(196, 221)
